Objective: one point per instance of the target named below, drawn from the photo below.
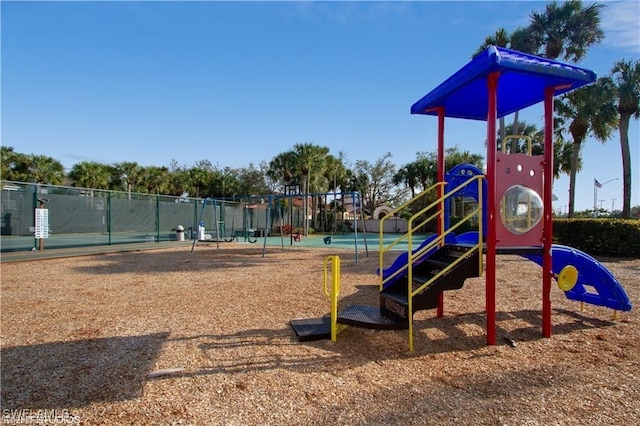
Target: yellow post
(334, 292)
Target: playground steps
(371, 317)
(392, 312)
(308, 330)
(394, 299)
(363, 316)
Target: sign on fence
(42, 223)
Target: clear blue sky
(240, 82)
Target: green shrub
(601, 237)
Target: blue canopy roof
(522, 83)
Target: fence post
(33, 219)
(109, 215)
(157, 218)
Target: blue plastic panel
(522, 83)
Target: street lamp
(291, 190)
(596, 186)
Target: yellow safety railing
(415, 223)
(384, 249)
(333, 291)
(516, 137)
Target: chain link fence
(88, 217)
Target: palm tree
(282, 171)
(309, 165)
(408, 176)
(563, 158)
(309, 160)
(337, 176)
(90, 174)
(522, 41)
(43, 169)
(500, 38)
(227, 182)
(15, 166)
(200, 179)
(524, 131)
(282, 168)
(626, 76)
(126, 175)
(588, 111)
(178, 179)
(155, 180)
(566, 29)
(453, 157)
(519, 40)
(335, 172)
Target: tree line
(562, 30)
(312, 167)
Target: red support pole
(490, 277)
(547, 198)
(440, 309)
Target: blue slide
(592, 275)
(595, 285)
(401, 261)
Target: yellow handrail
(516, 137)
(438, 241)
(411, 228)
(391, 214)
(451, 265)
(333, 293)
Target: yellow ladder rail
(415, 222)
(333, 292)
(412, 226)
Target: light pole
(291, 190)
(597, 185)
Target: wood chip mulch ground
(173, 337)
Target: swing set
(274, 215)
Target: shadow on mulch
(185, 261)
(528, 328)
(260, 350)
(77, 373)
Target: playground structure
(249, 219)
(512, 213)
